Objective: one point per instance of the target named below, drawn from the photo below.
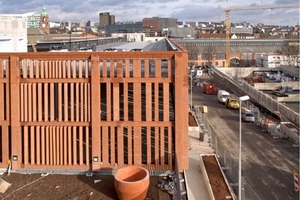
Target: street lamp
(241, 99)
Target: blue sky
(136, 10)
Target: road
(267, 162)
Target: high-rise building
(105, 19)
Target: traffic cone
(296, 181)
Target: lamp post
(241, 99)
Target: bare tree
(288, 49)
(193, 52)
(209, 53)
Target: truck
(222, 96)
(209, 88)
(232, 103)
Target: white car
(248, 117)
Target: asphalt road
(267, 162)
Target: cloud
(136, 10)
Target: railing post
(95, 112)
(16, 144)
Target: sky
(136, 10)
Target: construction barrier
(296, 182)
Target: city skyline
(136, 10)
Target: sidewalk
(196, 188)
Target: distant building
(241, 29)
(123, 28)
(44, 22)
(90, 23)
(160, 23)
(106, 19)
(82, 24)
(181, 32)
(13, 33)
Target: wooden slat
(70, 152)
(162, 145)
(25, 143)
(120, 144)
(51, 150)
(108, 102)
(32, 145)
(170, 154)
(66, 106)
(125, 90)
(38, 145)
(149, 144)
(80, 146)
(39, 102)
(82, 105)
(37, 68)
(156, 101)
(60, 103)
(34, 102)
(166, 104)
(148, 102)
(65, 145)
(156, 146)
(87, 145)
(80, 68)
(86, 103)
(5, 144)
(77, 98)
(29, 110)
(74, 68)
(43, 145)
(8, 100)
(42, 69)
(104, 133)
(74, 135)
(112, 146)
(52, 102)
(130, 136)
(25, 102)
(46, 105)
(72, 102)
(47, 145)
(116, 102)
(137, 148)
(2, 96)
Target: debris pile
(167, 182)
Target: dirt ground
(192, 120)
(217, 182)
(69, 187)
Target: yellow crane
(227, 29)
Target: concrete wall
(273, 86)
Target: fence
(93, 111)
(229, 165)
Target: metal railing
(229, 165)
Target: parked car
(248, 117)
(232, 103)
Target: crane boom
(227, 29)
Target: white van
(223, 95)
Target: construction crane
(227, 29)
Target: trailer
(209, 88)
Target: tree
(193, 52)
(288, 49)
(209, 53)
